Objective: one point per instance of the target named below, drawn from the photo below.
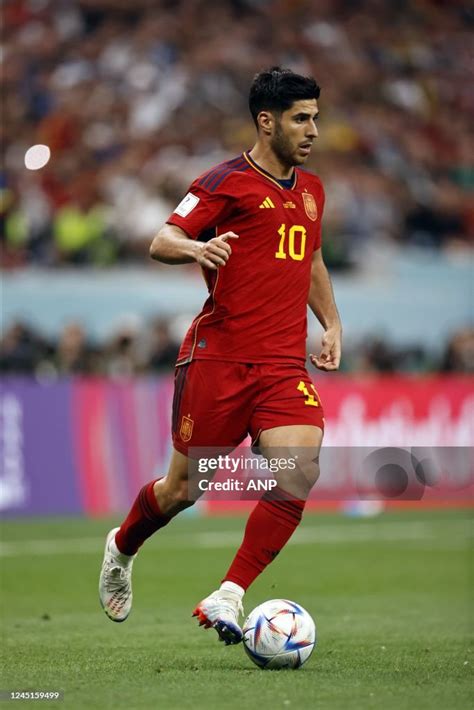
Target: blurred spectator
(163, 350)
(21, 350)
(80, 234)
(443, 220)
(459, 353)
(376, 355)
(136, 99)
(74, 355)
(123, 355)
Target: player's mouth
(305, 148)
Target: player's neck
(266, 159)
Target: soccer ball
(279, 634)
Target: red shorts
(217, 404)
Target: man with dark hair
(254, 225)
(277, 89)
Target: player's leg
(287, 418)
(198, 421)
(270, 525)
(157, 502)
(222, 608)
(153, 508)
(234, 389)
(278, 513)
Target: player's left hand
(330, 356)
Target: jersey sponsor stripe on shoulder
(210, 174)
(219, 176)
(217, 169)
(207, 176)
(214, 184)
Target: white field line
(456, 532)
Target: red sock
(269, 527)
(144, 518)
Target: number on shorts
(312, 400)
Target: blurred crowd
(135, 99)
(132, 351)
(128, 352)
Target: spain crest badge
(310, 206)
(186, 429)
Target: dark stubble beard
(282, 148)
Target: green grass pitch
(390, 597)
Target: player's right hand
(216, 251)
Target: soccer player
(253, 224)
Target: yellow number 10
(296, 255)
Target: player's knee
(309, 469)
(300, 481)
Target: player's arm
(177, 242)
(321, 301)
(173, 246)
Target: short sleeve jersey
(257, 305)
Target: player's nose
(312, 131)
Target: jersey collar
(267, 175)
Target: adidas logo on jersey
(266, 203)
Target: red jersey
(257, 306)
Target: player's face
(294, 132)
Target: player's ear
(266, 122)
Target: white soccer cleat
(115, 583)
(220, 610)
